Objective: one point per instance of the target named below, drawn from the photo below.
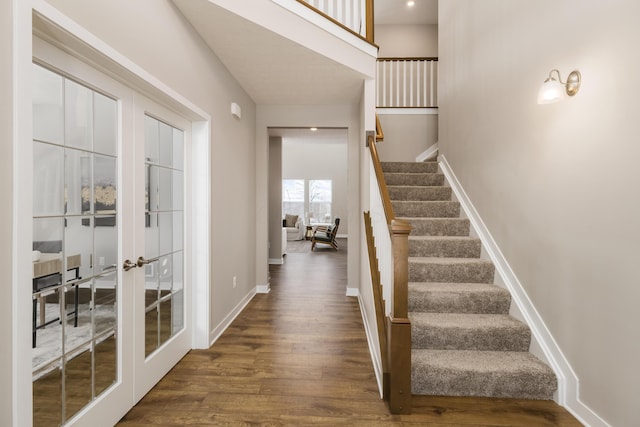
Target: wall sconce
(553, 90)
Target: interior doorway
(308, 184)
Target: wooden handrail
(384, 192)
(408, 58)
(378, 302)
(379, 132)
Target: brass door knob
(128, 265)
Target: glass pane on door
(75, 246)
(164, 204)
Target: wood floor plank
(298, 356)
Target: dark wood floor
(298, 356)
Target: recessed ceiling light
(411, 3)
(313, 129)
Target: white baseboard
(353, 292)
(429, 152)
(276, 261)
(568, 390)
(222, 326)
(584, 414)
(263, 289)
(375, 358)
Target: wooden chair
(326, 235)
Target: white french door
(82, 301)
(110, 249)
(162, 327)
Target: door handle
(128, 265)
(143, 261)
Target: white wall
(169, 48)
(406, 135)
(557, 185)
(325, 160)
(407, 40)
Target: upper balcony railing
(354, 15)
(407, 83)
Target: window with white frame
(320, 200)
(309, 199)
(293, 197)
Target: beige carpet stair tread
(419, 179)
(455, 331)
(438, 226)
(458, 298)
(428, 209)
(518, 375)
(463, 270)
(409, 167)
(419, 193)
(444, 246)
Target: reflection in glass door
(164, 218)
(75, 246)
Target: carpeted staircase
(464, 342)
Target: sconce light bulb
(551, 91)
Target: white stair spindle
(425, 88)
(391, 84)
(404, 83)
(411, 65)
(418, 67)
(384, 84)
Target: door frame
(38, 18)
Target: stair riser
(410, 167)
(460, 273)
(433, 337)
(427, 209)
(461, 302)
(440, 227)
(444, 382)
(445, 248)
(420, 193)
(426, 180)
